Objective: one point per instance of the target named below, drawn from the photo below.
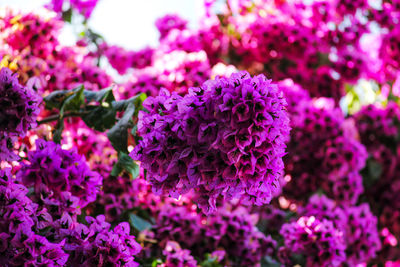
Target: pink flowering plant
(266, 136)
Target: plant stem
(57, 117)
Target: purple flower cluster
(324, 149)
(85, 7)
(55, 169)
(96, 244)
(357, 224)
(26, 229)
(232, 230)
(19, 107)
(235, 231)
(225, 138)
(19, 221)
(379, 131)
(178, 257)
(122, 60)
(169, 22)
(317, 240)
(180, 224)
(378, 125)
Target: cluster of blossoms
(30, 234)
(234, 231)
(121, 60)
(356, 223)
(168, 23)
(30, 46)
(84, 7)
(223, 138)
(318, 241)
(324, 149)
(379, 127)
(210, 144)
(53, 168)
(19, 107)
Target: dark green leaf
(118, 134)
(67, 15)
(125, 162)
(210, 261)
(267, 261)
(56, 99)
(57, 133)
(372, 172)
(74, 101)
(139, 223)
(104, 95)
(99, 118)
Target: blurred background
(129, 23)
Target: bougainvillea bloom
(223, 138)
(60, 170)
(19, 106)
(318, 241)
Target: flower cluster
(168, 23)
(356, 223)
(224, 138)
(177, 257)
(324, 150)
(25, 240)
(84, 7)
(96, 244)
(232, 230)
(19, 107)
(121, 60)
(318, 241)
(53, 168)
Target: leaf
(139, 223)
(67, 15)
(57, 132)
(104, 95)
(74, 101)
(267, 261)
(99, 118)
(56, 99)
(372, 172)
(210, 261)
(118, 134)
(125, 162)
(156, 262)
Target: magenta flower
(223, 138)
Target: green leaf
(67, 15)
(74, 101)
(156, 262)
(125, 162)
(372, 172)
(139, 223)
(118, 134)
(99, 118)
(104, 95)
(57, 132)
(56, 99)
(210, 261)
(267, 261)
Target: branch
(57, 117)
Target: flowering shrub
(266, 136)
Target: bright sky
(129, 23)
